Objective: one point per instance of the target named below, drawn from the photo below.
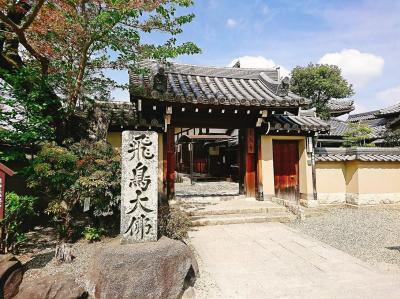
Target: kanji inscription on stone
(139, 194)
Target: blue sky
(362, 37)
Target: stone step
(309, 214)
(282, 217)
(227, 211)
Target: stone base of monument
(162, 269)
(60, 286)
(11, 273)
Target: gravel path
(371, 234)
(205, 286)
(221, 188)
(42, 263)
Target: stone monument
(139, 194)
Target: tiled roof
(337, 127)
(394, 109)
(361, 154)
(213, 85)
(338, 107)
(287, 122)
(362, 116)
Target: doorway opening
(207, 162)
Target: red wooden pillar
(250, 163)
(170, 162)
(165, 169)
(241, 160)
(259, 174)
(4, 170)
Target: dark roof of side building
(337, 127)
(214, 85)
(362, 116)
(339, 107)
(394, 109)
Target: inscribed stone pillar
(139, 194)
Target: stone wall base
(307, 200)
(291, 206)
(354, 199)
(372, 198)
(331, 198)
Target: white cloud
(357, 67)
(259, 62)
(390, 96)
(265, 10)
(231, 23)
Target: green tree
(67, 177)
(25, 120)
(19, 212)
(357, 134)
(320, 83)
(392, 137)
(55, 55)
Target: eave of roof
(394, 109)
(204, 137)
(287, 122)
(339, 107)
(214, 86)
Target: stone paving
(272, 260)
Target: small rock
(145, 270)
(11, 274)
(52, 287)
(189, 293)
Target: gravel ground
(41, 263)
(371, 234)
(221, 188)
(37, 257)
(205, 286)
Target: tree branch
(81, 71)
(33, 15)
(10, 23)
(44, 62)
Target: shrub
(173, 223)
(68, 176)
(92, 233)
(19, 211)
(358, 134)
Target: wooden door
(286, 169)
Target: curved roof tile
(214, 85)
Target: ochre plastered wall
(378, 177)
(331, 177)
(357, 182)
(267, 164)
(115, 139)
